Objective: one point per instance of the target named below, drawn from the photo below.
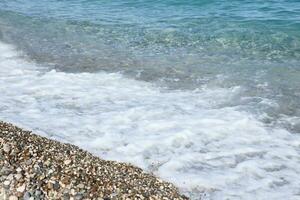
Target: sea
(204, 94)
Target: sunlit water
(204, 94)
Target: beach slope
(34, 167)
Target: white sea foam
(187, 137)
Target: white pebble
(21, 188)
(13, 198)
(6, 148)
(10, 177)
(6, 183)
(67, 162)
(18, 169)
(18, 176)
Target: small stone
(5, 170)
(56, 185)
(13, 198)
(26, 196)
(38, 193)
(18, 176)
(78, 197)
(47, 163)
(50, 185)
(19, 194)
(18, 169)
(28, 162)
(10, 177)
(66, 191)
(21, 188)
(67, 162)
(72, 191)
(6, 148)
(6, 183)
(65, 180)
(66, 196)
(81, 186)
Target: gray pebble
(56, 185)
(26, 196)
(38, 193)
(66, 196)
(28, 162)
(78, 196)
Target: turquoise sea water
(241, 56)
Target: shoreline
(35, 167)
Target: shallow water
(203, 94)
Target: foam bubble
(187, 137)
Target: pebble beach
(161, 99)
(34, 167)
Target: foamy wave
(185, 137)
